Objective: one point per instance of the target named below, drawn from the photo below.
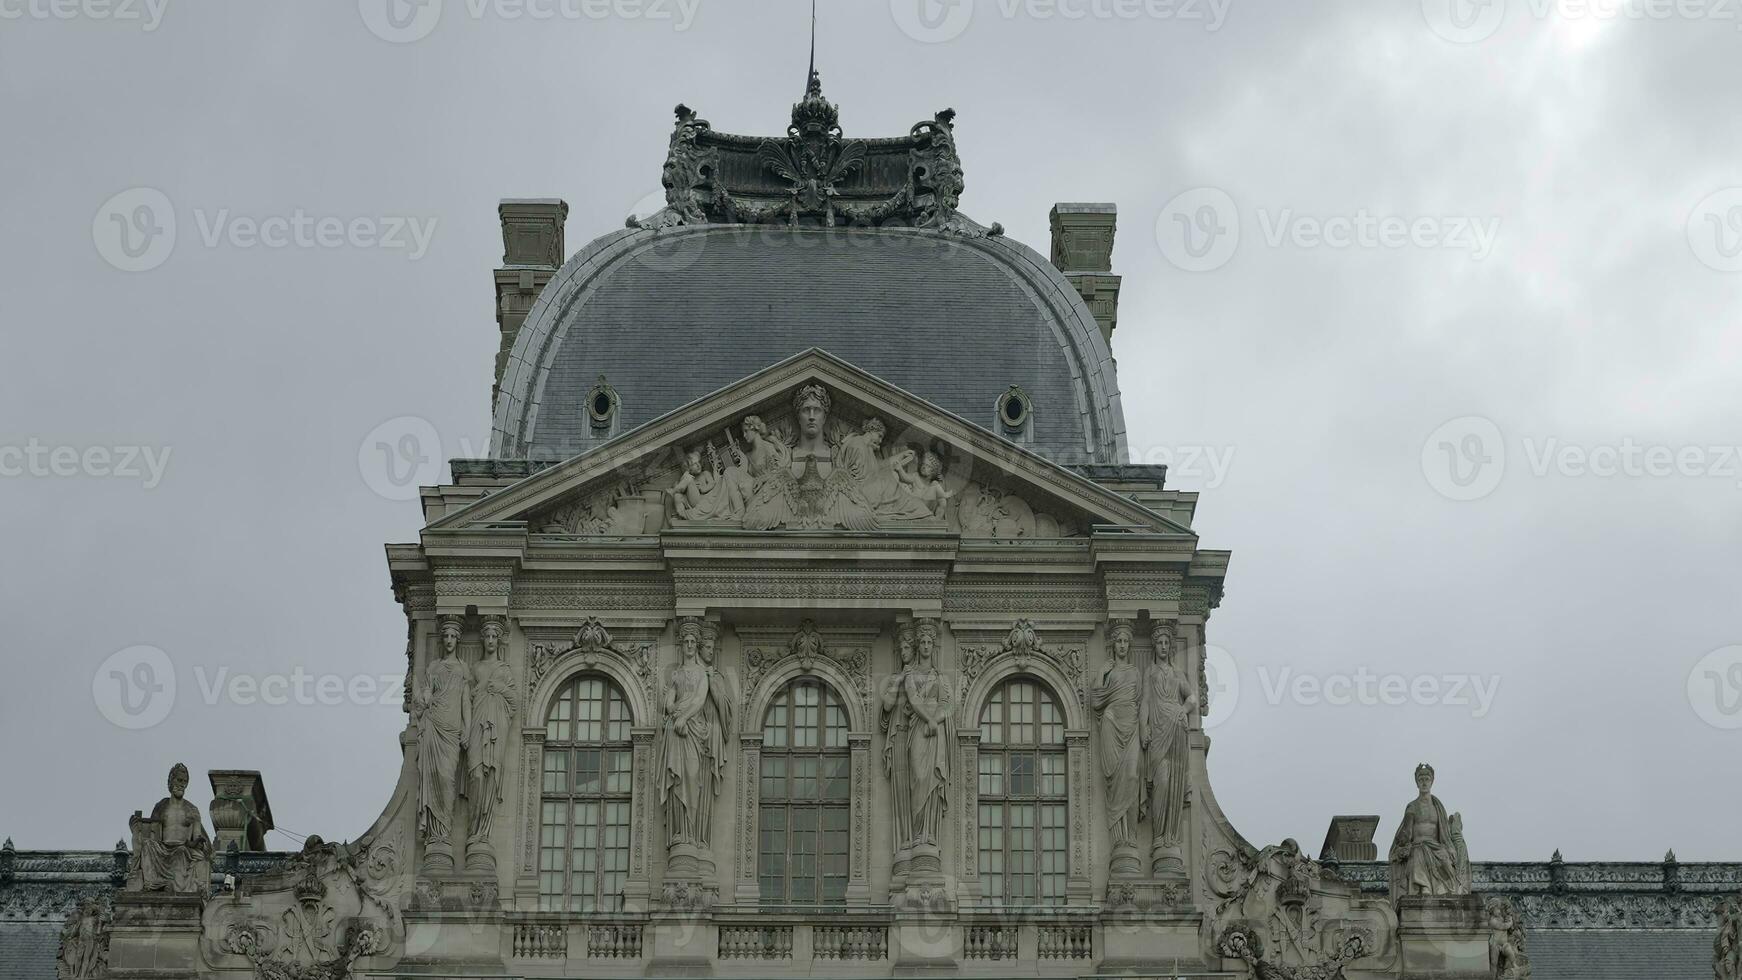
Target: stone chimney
(532, 251)
(1082, 248)
(241, 815)
(1350, 839)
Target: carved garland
(591, 642)
(1023, 644)
(807, 646)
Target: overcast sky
(1468, 369)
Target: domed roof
(769, 247)
(667, 316)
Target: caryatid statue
(1115, 700)
(442, 712)
(926, 694)
(1163, 723)
(495, 698)
(691, 754)
(171, 850)
(895, 718)
(1428, 856)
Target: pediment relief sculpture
(809, 465)
(171, 850)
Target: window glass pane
(1052, 725)
(590, 710)
(804, 777)
(588, 774)
(556, 727)
(618, 780)
(992, 719)
(773, 777)
(556, 771)
(1052, 774)
(992, 774)
(837, 780)
(1021, 774)
(774, 727)
(1021, 728)
(619, 728)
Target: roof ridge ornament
(814, 176)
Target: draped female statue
(691, 754)
(1121, 755)
(442, 711)
(1169, 697)
(895, 719)
(494, 701)
(926, 692)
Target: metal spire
(810, 76)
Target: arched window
(583, 846)
(1023, 798)
(802, 848)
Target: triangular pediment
(811, 444)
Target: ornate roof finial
(813, 84)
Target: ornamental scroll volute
(1024, 645)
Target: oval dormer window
(1014, 409)
(602, 405)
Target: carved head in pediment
(811, 406)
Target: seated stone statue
(171, 851)
(1428, 856)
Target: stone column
(749, 890)
(968, 782)
(1078, 886)
(638, 889)
(858, 879)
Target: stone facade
(813, 676)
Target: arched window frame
(756, 704)
(1023, 798)
(587, 764)
(805, 796)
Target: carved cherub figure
(1506, 958)
(696, 483)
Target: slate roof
(668, 316)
